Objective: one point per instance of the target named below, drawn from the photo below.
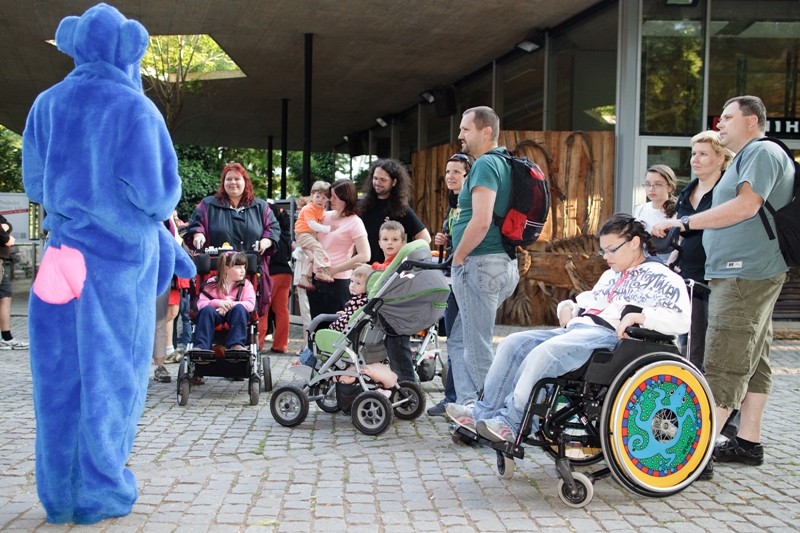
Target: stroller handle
(424, 265)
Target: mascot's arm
(149, 167)
(32, 169)
(172, 259)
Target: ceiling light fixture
(427, 96)
(532, 42)
(382, 123)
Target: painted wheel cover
(662, 427)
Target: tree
(10, 161)
(175, 65)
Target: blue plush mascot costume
(98, 157)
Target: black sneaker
(439, 409)
(708, 472)
(730, 451)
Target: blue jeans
(481, 284)
(398, 347)
(208, 319)
(526, 357)
(450, 315)
(186, 324)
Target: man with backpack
(484, 274)
(746, 271)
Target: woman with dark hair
(456, 171)
(233, 215)
(350, 236)
(636, 291)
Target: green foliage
(10, 161)
(198, 181)
(322, 167)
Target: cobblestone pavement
(220, 465)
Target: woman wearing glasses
(659, 185)
(636, 291)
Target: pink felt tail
(61, 275)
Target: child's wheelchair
(218, 362)
(641, 406)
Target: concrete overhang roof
(371, 57)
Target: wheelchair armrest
(648, 334)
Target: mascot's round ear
(133, 41)
(65, 35)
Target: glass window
(754, 50)
(678, 158)
(583, 74)
(672, 68)
(408, 134)
(438, 127)
(523, 87)
(477, 90)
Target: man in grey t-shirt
(746, 270)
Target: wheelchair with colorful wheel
(641, 407)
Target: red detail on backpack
(528, 206)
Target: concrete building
(390, 78)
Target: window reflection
(672, 68)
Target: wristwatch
(685, 222)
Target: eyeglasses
(656, 186)
(602, 252)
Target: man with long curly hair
(387, 195)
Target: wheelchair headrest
(206, 263)
(668, 242)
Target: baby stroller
(410, 295)
(219, 362)
(641, 407)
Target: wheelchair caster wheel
(505, 466)
(460, 440)
(584, 491)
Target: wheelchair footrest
(202, 355)
(237, 355)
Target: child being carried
(309, 222)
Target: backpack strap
(761, 213)
(497, 219)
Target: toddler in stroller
(408, 296)
(225, 326)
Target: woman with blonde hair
(709, 161)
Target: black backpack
(528, 206)
(787, 218)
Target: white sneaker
(13, 344)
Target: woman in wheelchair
(228, 298)
(636, 291)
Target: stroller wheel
(289, 405)
(267, 373)
(413, 400)
(371, 413)
(254, 390)
(184, 386)
(329, 403)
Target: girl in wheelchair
(637, 291)
(228, 298)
